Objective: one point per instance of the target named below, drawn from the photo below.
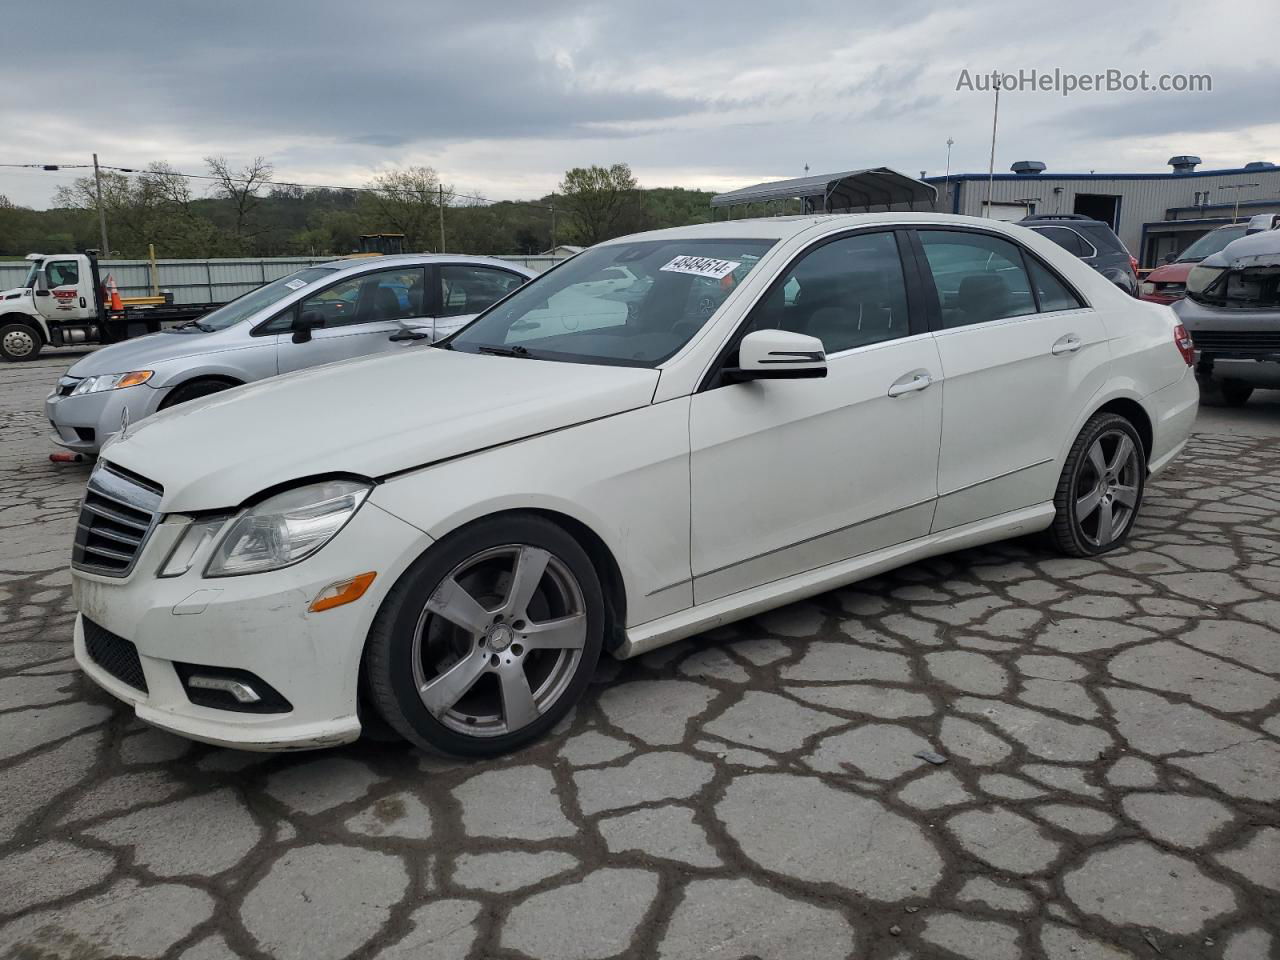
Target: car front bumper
(86, 422)
(259, 623)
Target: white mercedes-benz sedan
(444, 541)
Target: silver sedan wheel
(19, 342)
(1106, 494)
(499, 640)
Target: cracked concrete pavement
(1110, 788)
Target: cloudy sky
(502, 97)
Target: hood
(1171, 273)
(144, 353)
(14, 294)
(372, 416)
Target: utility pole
(991, 164)
(552, 208)
(946, 182)
(1237, 187)
(441, 218)
(102, 211)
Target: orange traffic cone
(116, 302)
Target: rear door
(1022, 355)
(360, 315)
(790, 475)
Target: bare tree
(408, 201)
(242, 187)
(600, 200)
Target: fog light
(241, 691)
(344, 591)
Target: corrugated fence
(209, 281)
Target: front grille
(1237, 341)
(116, 517)
(116, 655)
(85, 434)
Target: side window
(393, 295)
(848, 293)
(466, 290)
(63, 273)
(979, 278)
(336, 305)
(1068, 240)
(1052, 293)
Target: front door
(360, 316)
(790, 475)
(67, 293)
(1022, 356)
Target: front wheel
(19, 342)
(1101, 487)
(488, 639)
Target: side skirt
(685, 623)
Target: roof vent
(1186, 164)
(1027, 168)
(1260, 165)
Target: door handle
(1068, 344)
(911, 383)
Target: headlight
(1148, 288)
(286, 528)
(193, 539)
(111, 381)
(1202, 278)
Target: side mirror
(1169, 258)
(778, 355)
(41, 282)
(304, 323)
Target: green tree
(408, 201)
(602, 202)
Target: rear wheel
(193, 391)
(19, 342)
(488, 639)
(1101, 487)
(1236, 393)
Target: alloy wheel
(499, 640)
(1107, 488)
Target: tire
(457, 623)
(1236, 393)
(20, 342)
(1100, 491)
(193, 390)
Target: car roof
(784, 228)
(361, 264)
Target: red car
(1168, 283)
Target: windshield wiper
(202, 327)
(516, 351)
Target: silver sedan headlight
(111, 381)
(285, 528)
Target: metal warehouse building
(1154, 214)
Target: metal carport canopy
(851, 190)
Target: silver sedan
(321, 314)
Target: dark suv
(1090, 240)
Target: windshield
(634, 304)
(30, 282)
(1210, 243)
(250, 303)
(1245, 288)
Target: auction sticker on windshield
(703, 266)
(296, 284)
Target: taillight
(1133, 264)
(1182, 340)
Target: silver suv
(1232, 311)
(350, 308)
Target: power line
(54, 167)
